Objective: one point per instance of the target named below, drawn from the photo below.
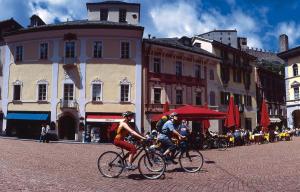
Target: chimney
(283, 43)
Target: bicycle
(190, 160)
(151, 164)
(215, 142)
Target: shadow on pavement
(210, 162)
(139, 177)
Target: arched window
(295, 69)
(17, 90)
(212, 98)
(97, 85)
(125, 85)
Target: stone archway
(296, 118)
(67, 127)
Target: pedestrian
(47, 136)
(43, 133)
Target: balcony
(69, 62)
(72, 104)
(159, 107)
(173, 79)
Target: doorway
(66, 127)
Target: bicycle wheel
(110, 164)
(191, 161)
(152, 165)
(222, 145)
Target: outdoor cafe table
(258, 138)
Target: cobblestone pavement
(33, 166)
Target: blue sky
(261, 21)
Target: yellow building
(292, 84)
(75, 72)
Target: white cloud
(181, 18)
(291, 29)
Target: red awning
(190, 112)
(104, 118)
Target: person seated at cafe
(271, 135)
(237, 137)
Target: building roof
(222, 45)
(113, 3)
(220, 30)
(265, 56)
(290, 53)
(10, 22)
(79, 24)
(178, 44)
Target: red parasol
(264, 118)
(237, 117)
(229, 121)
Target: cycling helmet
(172, 115)
(128, 114)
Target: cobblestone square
(33, 166)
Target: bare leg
(167, 152)
(130, 158)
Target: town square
(139, 95)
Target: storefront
(102, 127)
(26, 124)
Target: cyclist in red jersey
(123, 131)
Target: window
(296, 92)
(212, 98)
(178, 68)
(238, 76)
(157, 65)
(124, 92)
(68, 91)
(122, 15)
(225, 74)
(237, 99)
(44, 51)
(70, 50)
(125, 50)
(96, 87)
(19, 53)
(248, 123)
(225, 98)
(211, 74)
(42, 92)
(178, 96)
(248, 100)
(97, 49)
(198, 98)
(197, 45)
(234, 71)
(17, 93)
(198, 71)
(103, 14)
(157, 95)
(295, 69)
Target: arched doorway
(66, 127)
(296, 118)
